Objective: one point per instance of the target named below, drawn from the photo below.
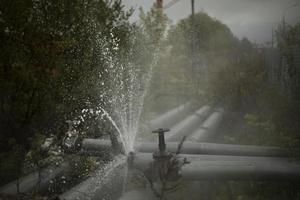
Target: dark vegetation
(52, 67)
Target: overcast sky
(253, 19)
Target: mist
(132, 100)
(252, 19)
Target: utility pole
(193, 7)
(193, 33)
(272, 43)
(193, 40)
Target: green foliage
(287, 36)
(220, 63)
(154, 25)
(274, 120)
(209, 35)
(11, 163)
(255, 190)
(199, 50)
(255, 121)
(81, 166)
(275, 115)
(36, 154)
(238, 79)
(51, 58)
(292, 38)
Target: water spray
(165, 165)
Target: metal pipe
(142, 162)
(171, 117)
(229, 168)
(188, 125)
(208, 128)
(96, 145)
(240, 170)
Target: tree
(153, 24)
(51, 58)
(212, 42)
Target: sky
(253, 19)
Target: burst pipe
(195, 168)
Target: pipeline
(208, 128)
(97, 145)
(165, 168)
(171, 117)
(258, 169)
(189, 124)
(239, 170)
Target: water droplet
(6, 30)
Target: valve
(164, 172)
(161, 141)
(71, 143)
(162, 156)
